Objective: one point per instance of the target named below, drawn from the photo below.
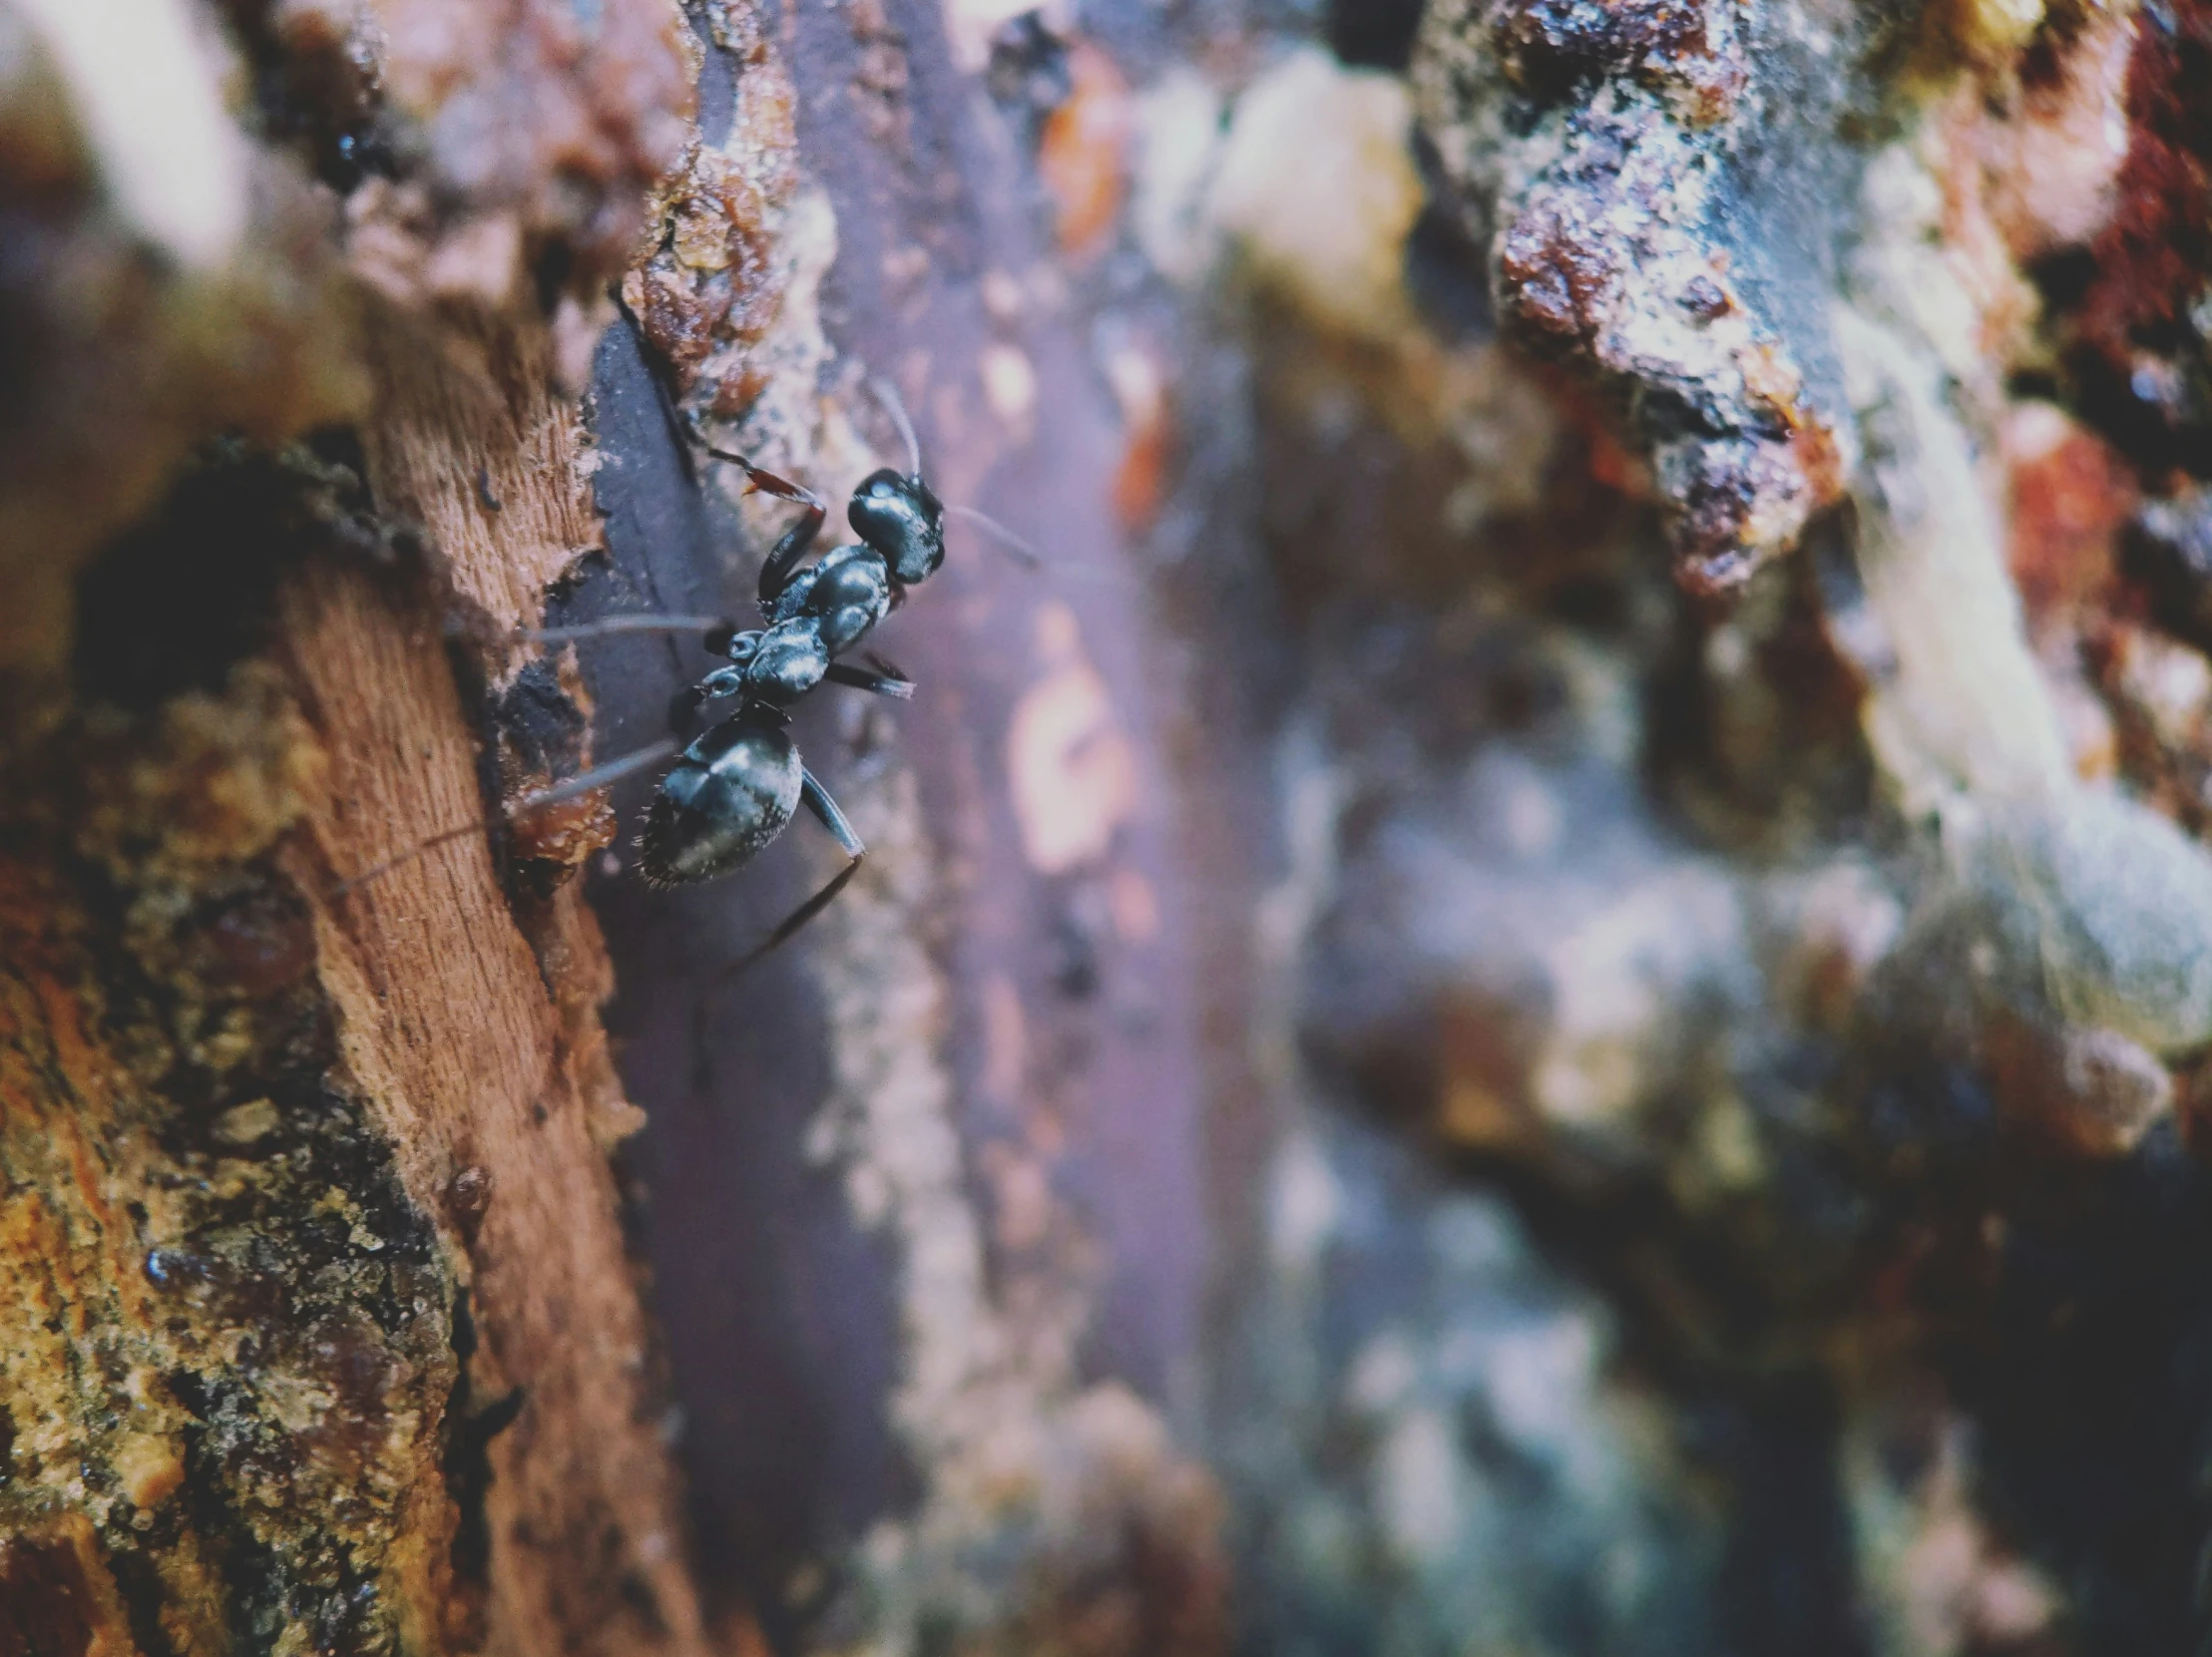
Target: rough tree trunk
(1543, 993)
(323, 1330)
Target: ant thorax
(843, 595)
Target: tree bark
(323, 1331)
(1544, 992)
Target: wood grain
(497, 1089)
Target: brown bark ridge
(318, 1329)
(324, 1326)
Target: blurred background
(1539, 989)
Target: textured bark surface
(339, 1340)
(1544, 993)
(323, 1331)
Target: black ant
(737, 787)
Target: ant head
(900, 519)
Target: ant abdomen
(729, 794)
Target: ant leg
(775, 575)
(881, 685)
(377, 871)
(691, 430)
(825, 812)
(609, 625)
(658, 371)
(599, 776)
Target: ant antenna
(377, 871)
(599, 776)
(888, 395)
(1019, 550)
(658, 371)
(698, 436)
